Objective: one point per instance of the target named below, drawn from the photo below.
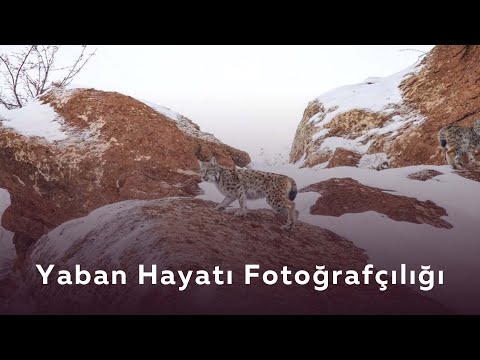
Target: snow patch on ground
(269, 158)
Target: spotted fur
(457, 140)
(242, 184)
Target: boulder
(74, 150)
(344, 157)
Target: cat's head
(209, 170)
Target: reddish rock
(469, 174)
(189, 234)
(446, 91)
(303, 142)
(117, 148)
(424, 175)
(344, 157)
(345, 195)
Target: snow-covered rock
(73, 150)
(398, 115)
(377, 161)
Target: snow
(373, 79)
(79, 229)
(7, 250)
(120, 230)
(41, 120)
(319, 134)
(182, 122)
(389, 243)
(333, 142)
(163, 110)
(375, 95)
(377, 161)
(34, 119)
(270, 158)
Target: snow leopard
(457, 140)
(242, 184)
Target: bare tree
(32, 71)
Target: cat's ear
(213, 161)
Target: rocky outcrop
(105, 147)
(424, 175)
(304, 144)
(189, 234)
(344, 157)
(399, 115)
(472, 174)
(345, 195)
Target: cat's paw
(241, 213)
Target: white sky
(247, 96)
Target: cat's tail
(292, 193)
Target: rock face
(345, 195)
(106, 147)
(399, 115)
(472, 174)
(189, 234)
(424, 175)
(344, 157)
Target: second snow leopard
(458, 140)
(242, 184)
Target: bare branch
(8, 81)
(7, 66)
(77, 67)
(420, 51)
(19, 70)
(9, 106)
(423, 52)
(29, 82)
(28, 73)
